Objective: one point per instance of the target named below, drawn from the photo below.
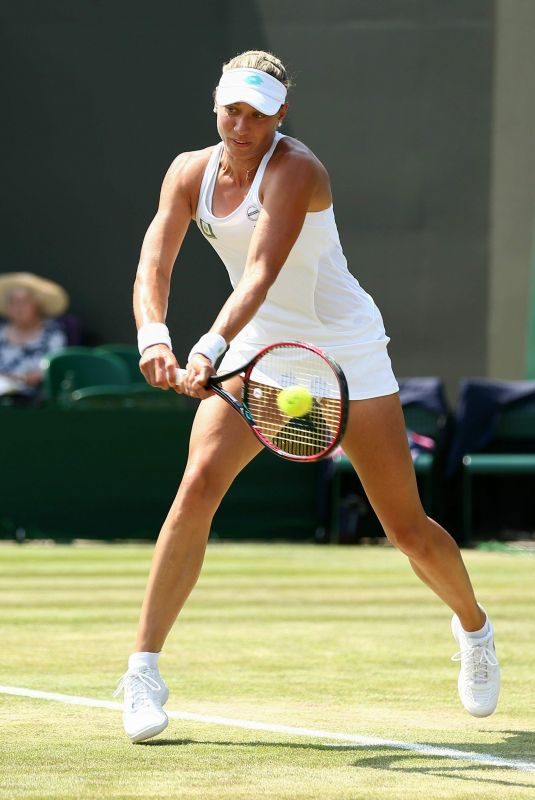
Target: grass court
(336, 639)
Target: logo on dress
(206, 228)
(253, 212)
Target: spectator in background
(29, 333)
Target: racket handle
(180, 375)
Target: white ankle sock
(481, 633)
(137, 660)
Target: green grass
(344, 639)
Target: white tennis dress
(314, 298)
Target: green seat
(514, 433)
(129, 354)
(76, 368)
(421, 420)
(137, 395)
(427, 423)
(500, 463)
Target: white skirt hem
(366, 365)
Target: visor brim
(225, 96)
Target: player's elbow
(260, 280)
(260, 289)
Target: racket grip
(180, 375)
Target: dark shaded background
(394, 96)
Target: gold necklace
(247, 171)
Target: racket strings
(292, 366)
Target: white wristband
(211, 345)
(153, 333)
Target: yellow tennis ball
(294, 401)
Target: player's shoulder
(183, 179)
(292, 152)
(189, 166)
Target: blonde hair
(260, 59)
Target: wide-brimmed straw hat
(52, 299)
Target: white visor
(253, 86)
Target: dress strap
(255, 186)
(206, 191)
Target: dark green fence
(113, 474)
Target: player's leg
(376, 443)
(221, 445)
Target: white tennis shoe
(479, 676)
(144, 695)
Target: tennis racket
(294, 399)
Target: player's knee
(201, 484)
(408, 536)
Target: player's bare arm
(160, 248)
(296, 182)
(286, 201)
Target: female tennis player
(263, 201)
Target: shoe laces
(137, 685)
(475, 661)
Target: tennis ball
(294, 401)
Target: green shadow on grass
(518, 745)
(401, 763)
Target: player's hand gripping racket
(294, 399)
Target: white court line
(348, 739)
